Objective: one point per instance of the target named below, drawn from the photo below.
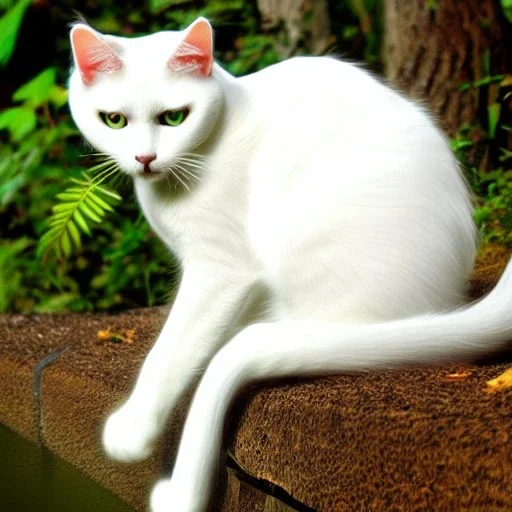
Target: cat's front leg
(207, 302)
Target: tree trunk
(433, 47)
(305, 23)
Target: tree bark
(305, 22)
(433, 47)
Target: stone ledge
(79, 387)
(416, 439)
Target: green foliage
(474, 147)
(9, 28)
(493, 214)
(10, 272)
(61, 245)
(507, 9)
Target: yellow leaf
(500, 383)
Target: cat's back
(318, 82)
(313, 99)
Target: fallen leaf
(501, 382)
(121, 336)
(458, 375)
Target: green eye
(114, 120)
(173, 117)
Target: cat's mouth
(148, 173)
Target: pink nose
(145, 159)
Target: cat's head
(146, 102)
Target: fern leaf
(87, 211)
(74, 234)
(94, 206)
(109, 193)
(65, 243)
(62, 207)
(69, 195)
(101, 204)
(82, 223)
(79, 205)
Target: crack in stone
(266, 487)
(38, 373)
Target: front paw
(169, 495)
(129, 436)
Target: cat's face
(148, 102)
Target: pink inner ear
(195, 52)
(93, 55)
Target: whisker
(182, 175)
(97, 154)
(196, 165)
(187, 171)
(196, 159)
(176, 175)
(196, 155)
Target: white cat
(320, 218)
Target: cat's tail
(293, 348)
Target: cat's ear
(92, 54)
(195, 52)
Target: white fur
(328, 213)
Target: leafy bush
(479, 148)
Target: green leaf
(159, 5)
(506, 5)
(39, 90)
(109, 193)
(74, 233)
(56, 303)
(60, 215)
(81, 222)
(9, 188)
(20, 121)
(95, 207)
(87, 211)
(101, 203)
(9, 27)
(65, 243)
(49, 234)
(58, 96)
(481, 214)
(457, 144)
(63, 207)
(505, 154)
(69, 196)
(493, 113)
(486, 80)
(11, 267)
